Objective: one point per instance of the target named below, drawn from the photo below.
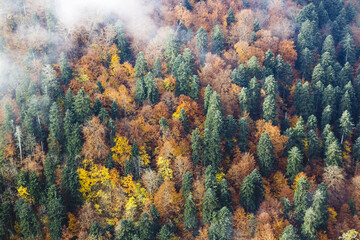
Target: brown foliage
(167, 201)
(334, 178)
(243, 166)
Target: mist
(135, 14)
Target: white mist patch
(136, 14)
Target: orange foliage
(287, 51)
(167, 201)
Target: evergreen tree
(302, 199)
(146, 230)
(182, 79)
(167, 231)
(218, 40)
(71, 185)
(29, 225)
(66, 72)
(329, 46)
(97, 106)
(68, 101)
(190, 221)
(140, 91)
(128, 230)
(172, 47)
(230, 17)
(82, 107)
(49, 83)
(243, 133)
(202, 41)
(254, 67)
(225, 195)
(157, 68)
(240, 76)
(265, 153)
(221, 226)
(308, 229)
(326, 116)
(346, 125)
(141, 67)
(252, 192)
(269, 108)
(187, 184)
(318, 74)
(314, 148)
(350, 12)
(289, 233)
(333, 154)
(56, 212)
(294, 163)
(55, 129)
(210, 205)
(122, 44)
(320, 207)
(164, 125)
(96, 230)
(311, 123)
(244, 100)
(269, 61)
(196, 146)
(194, 87)
(254, 95)
(100, 87)
(207, 95)
(114, 110)
(155, 218)
(152, 89)
(356, 149)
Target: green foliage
(210, 205)
(196, 146)
(230, 17)
(187, 184)
(252, 192)
(194, 87)
(128, 230)
(30, 227)
(82, 108)
(265, 153)
(146, 230)
(122, 44)
(66, 72)
(294, 163)
(221, 226)
(302, 199)
(243, 133)
(202, 41)
(218, 40)
(167, 231)
(289, 233)
(190, 221)
(56, 212)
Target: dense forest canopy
(179, 119)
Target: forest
(179, 119)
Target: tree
(294, 163)
(155, 218)
(71, 185)
(320, 207)
(225, 195)
(122, 44)
(29, 225)
(202, 41)
(128, 230)
(49, 83)
(140, 91)
(56, 212)
(55, 129)
(152, 89)
(308, 229)
(348, 49)
(218, 40)
(97, 106)
(146, 230)
(243, 133)
(230, 17)
(221, 226)
(167, 231)
(210, 205)
(66, 72)
(314, 148)
(207, 95)
(82, 107)
(194, 87)
(356, 149)
(346, 125)
(333, 154)
(252, 192)
(289, 233)
(172, 47)
(114, 110)
(302, 199)
(329, 46)
(269, 108)
(196, 146)
(190, 221)
(265, 153)
(157, 69)
(95, 140)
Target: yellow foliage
(130, 207)
(82, 77)
(114, 64)
(220, 176)
(144, 156)
(128, 184)
(332, 214)
(73, 224)
(128, 69)
(164, 168)
(299, 175)
(121, 150)
(24, 194)
(169, 84)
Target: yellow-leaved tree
(121, 151)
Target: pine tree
(30, 227)
(157, 68)
(243, 133)
(141, 67)
(289, 233)
(302, 199)
(318, 74)
(68, 101)
(244, 100)
(254, 95)
(140, 91)
(269, 108)
(128, 230)
(66, 72)
(356, 149)
(326, 116)
(202, 41)
(240, 76)
(49, 83)
(346, 125)
(182, 79)
(190, 221)
(56, 212)
(225, 195)
(96, 230)
(71, 185)
(97, 106)
(146, 230)
(230, 17)
(82, 107)
(265, 153)
(167, 231)
(333, 154)
(294, 163)
(348, 49)
(100, 87)
(114, 110)
(308, 229)
(207, 95)
(155, 218)
(122, 44)
(172, 47)
(254, 67)
(320, 207)
(187, 184)
(194, 87)
(221, 226)
(252, 192)
(314, 148)
(329, 46)
(55, 129)
(218, 40)
(210, 205)
(196, 146)
(152, 89)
